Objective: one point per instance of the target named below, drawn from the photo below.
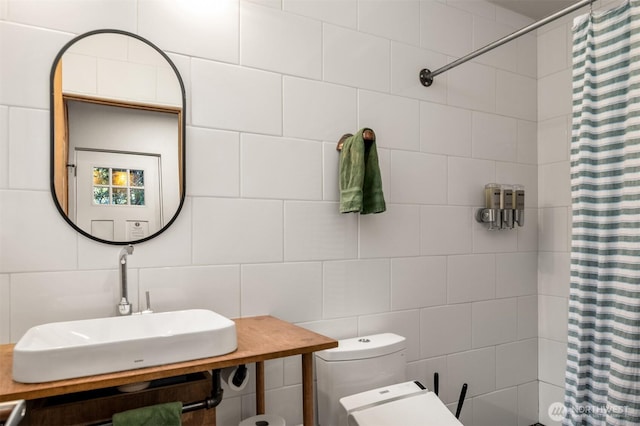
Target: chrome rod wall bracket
(427, 76)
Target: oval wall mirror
(117, 137)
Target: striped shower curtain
(603, 360)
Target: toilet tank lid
(364, 347)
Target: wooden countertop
(259, 339)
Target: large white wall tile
(553, 318)
(516, 274)
(49, 244)
(4, 147)
(471, 278)
(511, 89)
(496, 241)
(467, 178)
(437, 340)
(527, 55)
(555, 184)
(527, 317)
(494, 322)
(391, 19)
(213, 162)
(406, 63)
(528, 403)
(527, 142)
(317, 231)
(356, 59)
(554, 140)
(445, 130)
(552, 361)
(477, 368)
(445, 29)
(236, 231)
(472, 86)
(393, 233)
(418, 178)
(289, 291)
(282, 42)
(528, 234)
(340, 328)
(5, 309)
(554, 52)
(216, 288)
(554, 273)
(394, 119)
(549, 394)
(496, 408)
(344, 12)
(445, 230)
(317, 110)
(25, 77)
(280, 168)
(357, 287)
(59, 15)
(205, 30)
(39, 298)
(235, 98)
(516, 363)
(494, 137)
(28, 164)
(554, 95)
(418, 282)
(403, 323)
(553, 228)
(330, 172)
(486, 31)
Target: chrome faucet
(124, 307)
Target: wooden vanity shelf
(259, 339)
(98, 406)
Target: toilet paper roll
(227, 375)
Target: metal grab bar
(426, 75)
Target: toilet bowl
(363, 382)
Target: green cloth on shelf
(169, 414)
(360, 180)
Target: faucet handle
(148, 310)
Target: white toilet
(362, 382)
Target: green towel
(169, 414)
(360, 181)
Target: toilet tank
(357, 365)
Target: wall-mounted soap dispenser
(504, 206)
(518, 204)
(491, 212)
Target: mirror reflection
(117, 137)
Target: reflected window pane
(120, 196)
(119, 177)
(137, 197)
(100, 195)
(100, 176)
(136, 178)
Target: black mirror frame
(52, 136)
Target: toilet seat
(402, 404)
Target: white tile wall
(437, 340)
(391, 19)
(4, 147)
(493, 322)
(355, 59)
(271, 86)
(516, 363)
(418, 282)
(276, 41)
(496, 408)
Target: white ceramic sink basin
(64, 350)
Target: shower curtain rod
(426, 75)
